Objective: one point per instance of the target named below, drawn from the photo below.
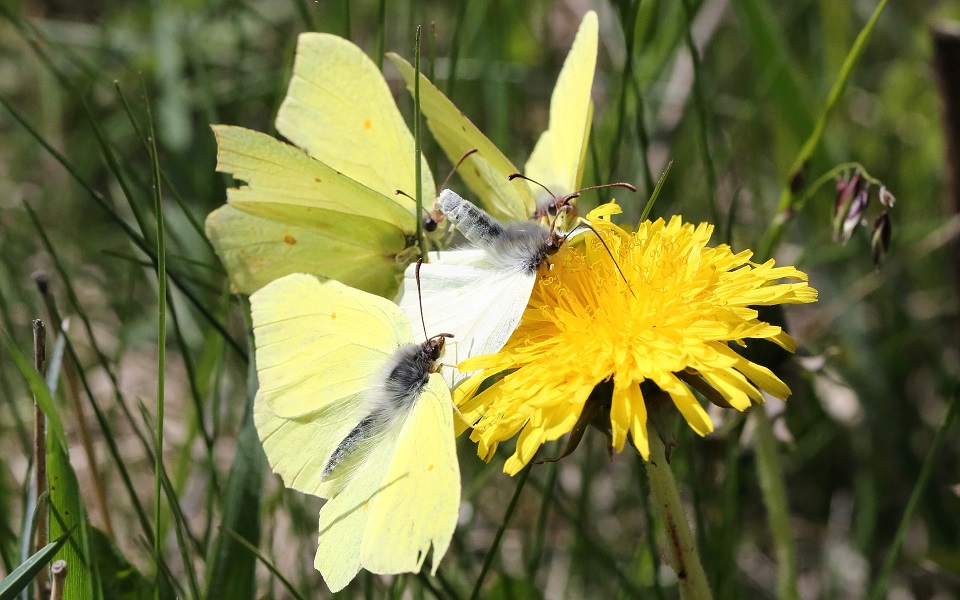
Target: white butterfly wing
(466, 295)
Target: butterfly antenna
(607, 248)
(522, 176)
(403, 193)
(420, 298)
(576, 194)
(465, 156)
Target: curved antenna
(587, 224)
(465, 156)
(576, 194)
(522, 176)
(420, 298)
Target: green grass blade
(23, 575)
(656, 193)
(879, 587)
(774, 491)
(186, 542)
(67, 513)
(232, 567)
(294, 592)
(38, 387)
(700, 104)
(66, 506)
(788, 197)
(417, 145)
(495, 546)
(161, 336)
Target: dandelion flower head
(665, 312)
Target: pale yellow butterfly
(352, 410)
(332, 211)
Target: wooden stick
(946, 63)
(40, 450)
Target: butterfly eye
(552, 209)
(429, 224)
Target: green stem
(700, 104)
(774, 492)
(161, 337)
(686, 560)
(788, 198)
(417, 159)
(488, 561)
(880, 582)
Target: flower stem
(774, 495)
(686, 559)
(488, 561)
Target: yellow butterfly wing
(255, 251)
(558, 157)
(303, 209)
(486, 172)
(344, 518)
(418, 502)
(320, 348)
(285, 184)
(339, 109)
(319, 343)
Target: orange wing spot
(289, 239)
(333, 316)
(366, 505)
(367, 124)
(318, 180)
(430, 468)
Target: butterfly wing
(344, 518)
(557, 159)
(307, 359)
(297, 448)
(313, 383)
(339, 109)
(302, 209)
(466, 295)
(255, 251)
(487, 171)
(417, 504)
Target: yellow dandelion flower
(672, 326)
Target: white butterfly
(478, 294)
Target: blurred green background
(878, 352)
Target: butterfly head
(433, 347)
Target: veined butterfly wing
(557, 159)
(257, 250)
(469, 295)
(478, 294)
(332, 360)
(339, 108)
(487, 171)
